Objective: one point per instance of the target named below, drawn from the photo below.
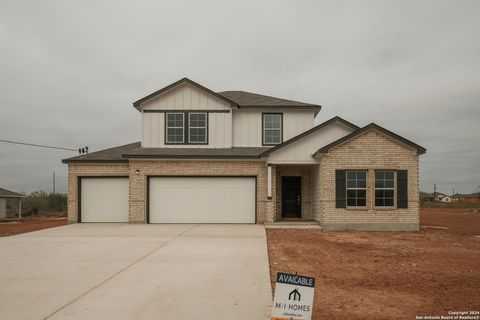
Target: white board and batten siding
(301, 150)
(181, 98)
(247, 126)
(185, 97)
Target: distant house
(436, 197)
(440, 197)
(7, 194)
(446, 199)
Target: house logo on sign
(293, 297)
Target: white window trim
(394, 190)
(204, 127)
(347, 188)
(168, 127)
(270, 129)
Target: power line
(37, 145)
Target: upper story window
(356, 188)
(384, 188)
(197, 127)
(272, 129)
(175, 127)
(186, 128)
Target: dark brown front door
(291, 197)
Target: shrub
(40, 203)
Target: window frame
(186, 128)
(205, 127)
(168, 127)
(356, 188)
(280, 129)
(394, 188)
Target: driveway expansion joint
(119, 272)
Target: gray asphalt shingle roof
(235, 152)
(134, 150)
(234, 98)
(107, 155)
(10, 194)
(248, 99)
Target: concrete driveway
(123, 271)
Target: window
(193, 125)
(384, 188)
(175, 128)
(356, 188)
(272, 128)
(197, 127)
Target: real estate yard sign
(293, 297)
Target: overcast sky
(70, 70)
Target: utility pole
(53, 182)
(434, 191)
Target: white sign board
(293, 297)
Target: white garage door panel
(104, 200)
(202, 200)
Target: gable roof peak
(310, 131)
(137, 104)
(374, 126)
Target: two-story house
(240, 157)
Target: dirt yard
(387, 275)
(14, 226)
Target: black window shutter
(340, 189)
(402, 189)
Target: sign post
(293, 297)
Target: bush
(40, 203)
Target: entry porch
(294, 192)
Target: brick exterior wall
(303, 171)
(138, 182)
(369, 151)
(89, 170)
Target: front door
(291, 197)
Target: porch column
(19, 208)
(269, 182)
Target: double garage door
(172, 200)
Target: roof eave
(137, 104)
(324, 150)
(166, 156)
(72, 161)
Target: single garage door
(202, 200)
(104, 199)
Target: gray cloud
(69, 71)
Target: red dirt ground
(386, 275)
(14, 226)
